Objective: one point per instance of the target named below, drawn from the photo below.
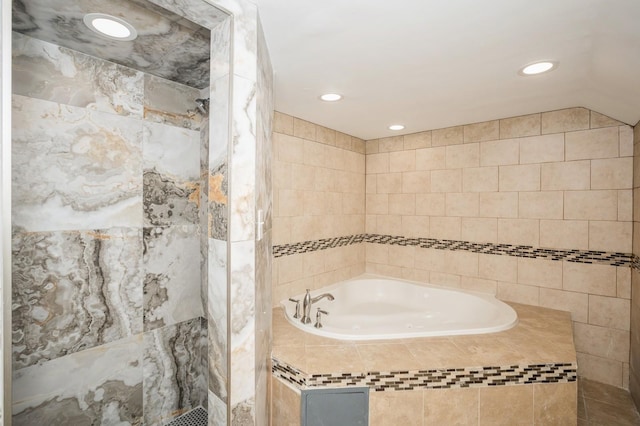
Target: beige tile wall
(634, 379)
(318, 185)
(560, 179)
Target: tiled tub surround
(559, 180)
(106, 256)
(525, 375)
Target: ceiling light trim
(537, 68)
(110, 27)
(331, 97)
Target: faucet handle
(319, 313)
(297, 302)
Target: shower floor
(195, 417)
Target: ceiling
(168, 45)
(430, 64)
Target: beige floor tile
(555, 403)
(603, 414)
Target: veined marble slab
(97, 386)
(171, 103)
(74, 168)
(45, 71)
(174, 377)
(171, 175)
(167, 45)
(172, 151)
(217, 306)
(74, 290)
(172, 275)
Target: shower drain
(197, 417)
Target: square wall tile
(542, 149)
(500, 153)
(396, 408)
(565, 120)
(555, 403)
(448, 136)
(566, 175)
(429, 159)
(506, 405)
(516, 127)
(609, 312)
(519, 178)
(484, 131)
(591, 144)
(451, 406)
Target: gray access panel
(335, 407)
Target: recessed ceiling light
(331, 97)
(110, 27)
(396, 127)
(538, 68)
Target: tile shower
(127, 233)
(109, 233)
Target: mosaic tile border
(576, 256)
(446, 378)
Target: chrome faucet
(308, 301)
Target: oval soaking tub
(373, 307)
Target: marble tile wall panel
(203, 211)
(202, 384)
(171, 262)
(217, 317)
(245, 16)
(220, 49)
(172, 48)
(242, 332)
(201, 12)
(243, 160)
(172, 371)
(98, 386)
(217, 410)
(74, 290)
(171, 175)
(46, 71)
(171, 103)
(218, 182)
(4, 76)
(74, 168)
(264, 246)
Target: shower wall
(107, 306)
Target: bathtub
(372, 307)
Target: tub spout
(308, 301)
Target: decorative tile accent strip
(576, 256)
(315, 245)
(446, 378)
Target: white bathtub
(372, 307)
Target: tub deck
(538, 353)
(542, 336)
